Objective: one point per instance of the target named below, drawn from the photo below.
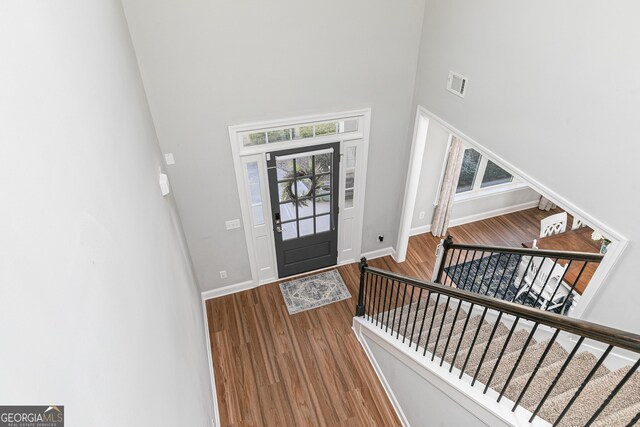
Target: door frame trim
(239, 152)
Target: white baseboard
(227, 290)
(477, 217)
(379, 253)
(420, 230)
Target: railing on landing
(432, 318)
(548, 280)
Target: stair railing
(548, 280)
(386, 298)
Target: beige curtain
(545, 204)
(442, 212)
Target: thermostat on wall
(457, 84)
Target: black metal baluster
(473, 342)
(535, 370)
(379, 292)
(475, 276)
(450, 254)
(372, 290)
(583, 385)
(446, 346)
(575, 283)
(502, 351)
(464, 328)
(524, 274)
(404, 294)
(435, 347)
(455, 270)
(404, 336)
(483, 274)
(384, 300)
(486, 348)
(464, 285)
(515, 270)
(415, 318)
(504, 270)
(535, 277)
(367, 296)
(614, 392)
(424, 316)
(634, 420)
(433, 317)
(395, 305)
(557, 378)
(493, 274)
(558, 286)
(545, 282)
(520, 356)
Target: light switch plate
(232, 224)
(168, 158)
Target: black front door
(303, 186)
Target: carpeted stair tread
(576, 371)
(465, 341)
(527, 364)
(455, 336)
(592, 397)
(441, 319)
(620, 418)
(480, 344)
(407, 311)
(515, 343)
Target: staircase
(563, 371)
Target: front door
(303, 186)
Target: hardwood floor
(276, 369)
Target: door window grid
(309, 130)
(291, 185)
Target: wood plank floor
(273, 369)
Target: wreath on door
(289, 193)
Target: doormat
(314, 291)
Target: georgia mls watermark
(32, 416)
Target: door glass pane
(305, 208)
(254, 139)
(287, 211)
(322, 223)
(286, 191)
(289, 230)
(324, 184)
(348, 198)
(284, 169)
(323, 163)
(253, 179)
(306, 227)
(470, 163)
(304, 187)
(349, 125)
(323, 205)
(495, 175)
(303, 166)
(303, 132)
(349, 178)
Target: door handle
(279, 229)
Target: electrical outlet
(421, 215)
(232, 224)
(381, 237)
(223, 274)
(168, 158)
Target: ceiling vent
(457, 84)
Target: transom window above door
(304, 131)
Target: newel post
(441, 259)
(360, 306)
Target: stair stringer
(476, 408)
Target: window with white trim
(478, 172)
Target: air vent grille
(457, 84)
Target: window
(479, 172)
(310, 130)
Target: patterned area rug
(494, 276)
(314, 291)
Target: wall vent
(457, 84)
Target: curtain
(442, 212)
(545, 204)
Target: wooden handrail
(582, 256)
(604, 334)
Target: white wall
(98, 305)
(554, 88)
(207, 65)
(463, 210)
